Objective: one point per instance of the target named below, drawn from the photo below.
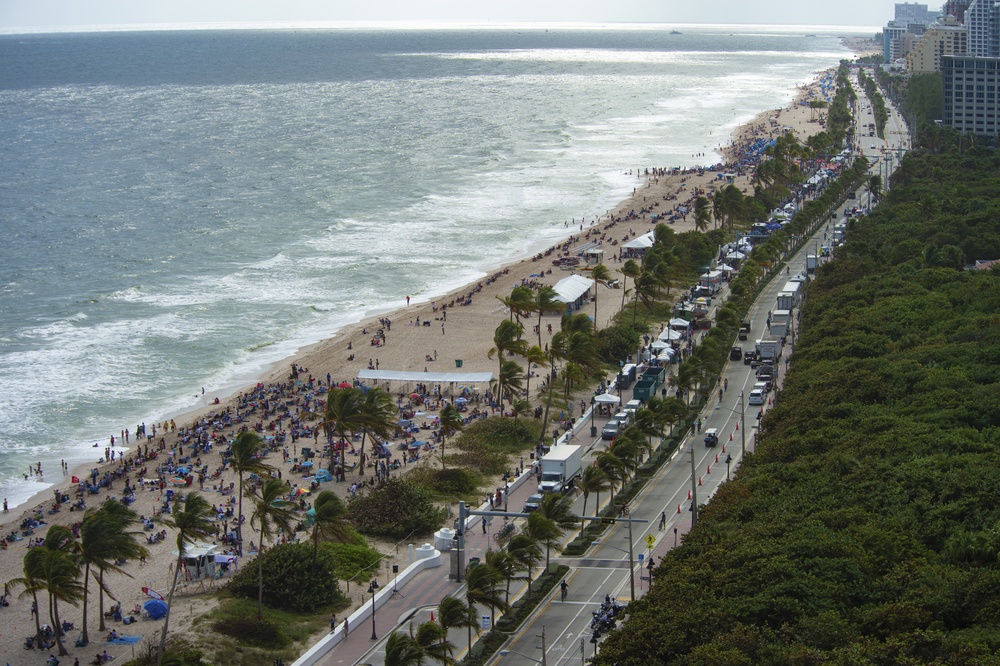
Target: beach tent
(322, 475)
(572, 290)
(643, 242)
(735, 256)
(677, 322)
(155, 608)
(607, 399)
(670, 334)
(658, 345)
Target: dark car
(532, 503)
(749, 357)
(736, 353)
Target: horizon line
(414, 25)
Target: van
(763, 386)
(632, 406)
(756, 397)
(611, 429)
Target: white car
(756, 397)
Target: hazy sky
(61, 13)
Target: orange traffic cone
(730, 437)
(689, 494)
(699, 480)
(678, 508)
(709, 470)
(723, 447)
(432, 616)
(737, 425)
(716, 457)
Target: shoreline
(459, 332)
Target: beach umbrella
(343, 385)
(460, 401)
(155, 608)
(298, 492)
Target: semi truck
(560, 467)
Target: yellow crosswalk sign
(650, 540)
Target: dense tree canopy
(865, 528)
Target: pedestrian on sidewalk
(663, 520)
(484, 524)
(333, 622)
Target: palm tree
(509, 383)
(545, 301)
(402, 650)
(526, 552)
(32, 581)
(613, 468)
(191, 519)
(341, 416)
(103, 541)
(245, 459)
(534, 355)
(702, 213)
(520, 302)
(592, 480)
(483, 587)
(432, 639)
(451, 422)
(329, 523)
(376, 416)
(61, 580)
(507, 340)
(874, 188)
(601, 275)
(504, 562)
(544, 531)
(455, 613)
(270, 511)
(630, 269)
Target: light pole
(729, 459)
(694, 490)
(743, 428)
(372, 589)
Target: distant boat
(675, 32)
(810, 35)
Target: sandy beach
(455, 332)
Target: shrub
(498, 434)
(352, 558)
(251, 631)
(292, 580)
(616, 343)
(447, 482)
(490, 463)
(395, 509)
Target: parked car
(763, 386)
(532, 503)
(748, 357)
(756, 397)
(736, 353)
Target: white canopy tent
(433, 377)
(726, 268)
(658, 345)
(607, 399)
(677, 322)
(735, 256)
(643, 242)
(570, 289)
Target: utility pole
(460, 532)
(694, 491)
(543, 645)
(631, 561)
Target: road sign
(607, 521)
(650, 540)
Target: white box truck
(769, 347)
(560, 467)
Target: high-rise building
(956, 9)
(912, 12)
(970, 93)
(946, 37)
(982, 18)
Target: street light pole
(372, 589)
(729, 460)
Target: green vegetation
(293, 581)
(878, 103)
(395, 509)
(486, 444)
(863, 529)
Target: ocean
(181, 209)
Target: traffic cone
(689, 494)
(731, 436)
(699, 480)
(709, 470)
(716, 457)
(723, 447)
(678, 508)
(737, 426)
(432, 616)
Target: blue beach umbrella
(155, 608)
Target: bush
(447, 482)
(395, 509)
(251, 631)
(498, 434)
(618, 342)
(352, 558)
(292, 580)
(491, 463)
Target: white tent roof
(607, 399)
(199, 549)
(670, 334)
(573, 287)
(677, 322)
(660, 344)
(736, 255)
(436, 377)
(726, 268)
(642, 242)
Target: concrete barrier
(357, 619)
